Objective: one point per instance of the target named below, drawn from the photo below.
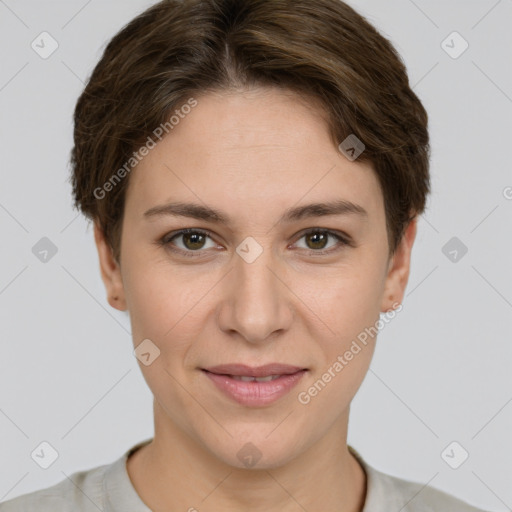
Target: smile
(255, 391)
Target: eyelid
(339, 235)
(167, 239)
(342, 238)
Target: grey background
(441, 372)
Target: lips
(255, 386)
(242, 370)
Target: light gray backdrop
(441, 372)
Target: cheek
(167, 304)
(347, 300)
(349, 305)
(165, 308)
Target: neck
(175, 472)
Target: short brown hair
(322, 49)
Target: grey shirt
(108, 488)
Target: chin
(256, 451)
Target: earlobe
(110, 271)
(398, 269)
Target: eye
(192, 242)
(317, 240)
(189, 241)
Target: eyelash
(167, 239)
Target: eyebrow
(206, 213)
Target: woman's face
(258, 289)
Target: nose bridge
(257, 304)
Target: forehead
(267, 146)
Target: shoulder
(416, 497)
(80, 491)
(107, 488)
(386, 492)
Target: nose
(256, 301)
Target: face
(266, 279)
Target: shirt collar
(381, 492)
(120, 495)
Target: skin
(252, 154)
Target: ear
(110, 271)
(398, 269)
